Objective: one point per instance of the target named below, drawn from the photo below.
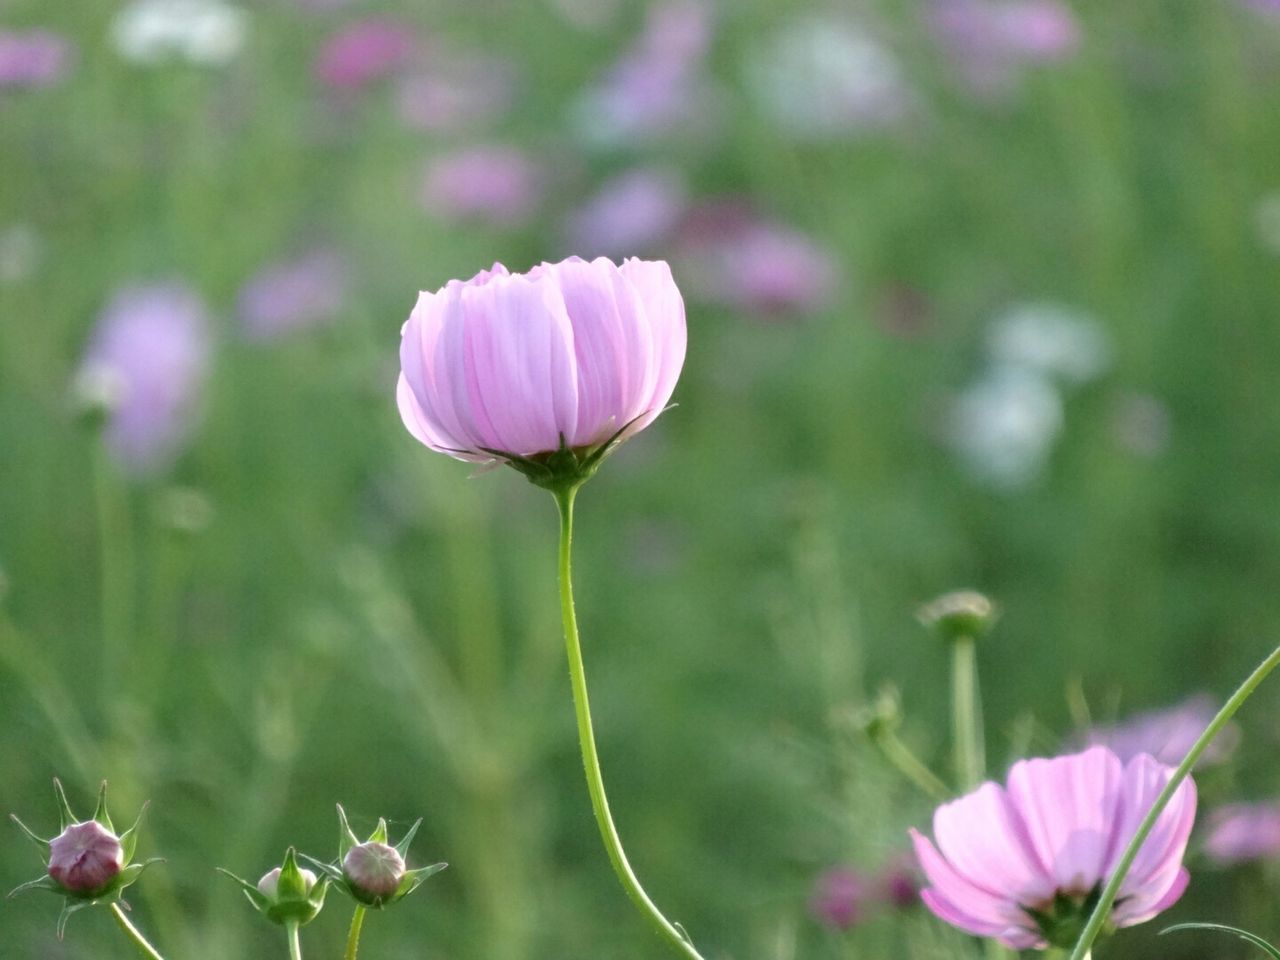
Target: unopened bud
(269, 885)
(85, 857)
(374, 869)
(964, 613)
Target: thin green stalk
(130, 931)
(966, 707)
(1110, 891)
(586, 737)
(909, 765)
(353, 935)
(295, 945)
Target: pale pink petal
(1161, 853)
(1069, 805)
(664, 308)
(963, 896)
(421, 367)
(982, 835)
(1142, 907)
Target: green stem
(1110, 891)
(353, 935)
(130, 931)
(910, 766)
(590, 758)
(295, 946)
(966, 707)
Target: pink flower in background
(457, 92)
(515, 362)
(1037, 30)
(499, 185)
(841, 898)
(1018, 863)
(1242, 832)
(631, 213)
(756, 265)
(991, 40)
(899, 882)
(147, 362)
(1168, 734)
(364, 52)
(33, 58)
(294, 295)
(656, 85)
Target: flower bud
(374, 869)
(964, 613)
(85, 857)
(269, 885)
(286, 894)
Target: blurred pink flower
(33, 58)
(899, 881)
(631, 213)
(991, 40)
(516, 362)
(1018, 863)
(148, 360)
(1169, 733)
(456, 92)
(293, 295)
(755, 265)
(496, 184)
(364, 52)
(1242, 832)
(841, 897)
(658, 83)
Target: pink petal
(960, 896)
(1069, 806)
(664, 308)
(421, 370)
(1141, 908)
(1154, 868)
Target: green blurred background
(296, 604)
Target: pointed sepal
(100, 811)
(413, 879)
(41, 883)
(65, 817)
(402, 847)
(129, 839)
(70, 906)
(30, 833)
(256, 896)
(346, 837)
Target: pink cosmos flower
(85, 857)
(1242, 832)
(293, 295)
(840, 898)
(499, 185)
(33, 58)
(1020, 862)
(631, 212)
(513, 363)
(364, 52)
(1168, 734)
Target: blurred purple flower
(33, 58)
(293, 295)
(990, 40)
(150, 356)
(630, 214)
(1169, 733)
(1243, 831)
(899, 882)
(657, 84)
(841, 897)
(457, 92)
(364, 52)
(756, 265)
(495, 184)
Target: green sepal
(69, 907)
(1252, 938)
(565, 468)
(331, 870)
(346, 838)
(42, 883)
(100, 811)
(379, 834)
(684, 934)
(129, 839)
(413, 879)
(402, 847)
(65, 817)
(301, 911)
(291, 885)
(256, 896)
(29, 832)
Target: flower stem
(966, 715)
(1109, 892)
(130, 931)
(295, 946)
(590, 759)
(353, 935)
(909, 765)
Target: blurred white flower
(1003, 427)
(1267, 220)
(20, 252)
(824, 76)
(1050, 340)
(207, 32)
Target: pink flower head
(85, 857)
(840, 898)
(1168, 734)
(293, 295)
(150, 355)
(499, 185)
(990, 40)
(33, 58)
(1019, 862)
(364, 52)
(1242, 832)
(514, 363)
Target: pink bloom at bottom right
(1024, 863)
